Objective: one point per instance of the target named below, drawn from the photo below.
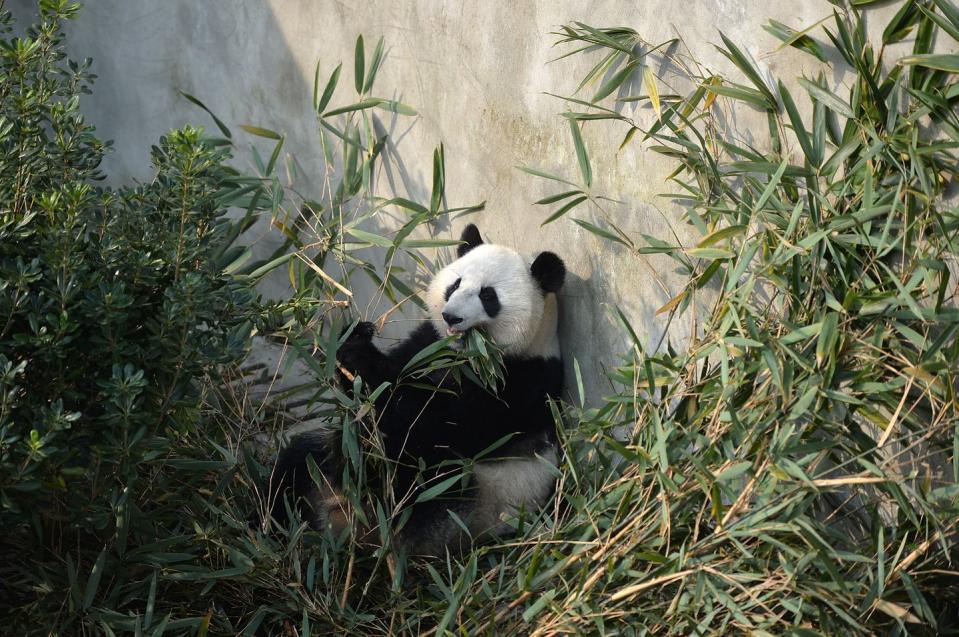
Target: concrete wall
(478, 74)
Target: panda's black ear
(470, 238)
(549, 271)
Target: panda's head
(496, 290)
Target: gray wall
(478, 74)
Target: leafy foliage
(116, 311)
(793, 470)
(127, 481)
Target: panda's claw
(363, 332)
(357, 351)
(365, 329)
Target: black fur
(490, 301)
(420, 424)
(549, 271)
(470, 238)
(424, 428)
(452, 288)
(454, 426)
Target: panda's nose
(451, 320)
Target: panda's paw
(362, 333)
(358, 353)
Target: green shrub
(126, 485)
(115, 314)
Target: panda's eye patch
(451, 289)
(490, 301)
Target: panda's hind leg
(432, 529)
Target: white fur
(545, 342)
(525, 326)
(526, 323)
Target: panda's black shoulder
(535, 376)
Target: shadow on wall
(235, 58)
(253, 62)
(144, 53)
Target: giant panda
(490, 288)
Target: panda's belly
(507, 486)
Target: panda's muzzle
(451, 320)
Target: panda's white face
(491, 288)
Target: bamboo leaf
(605, 234)
(359, 65)
(798, 39)
(672, 303)
(439, 179)
(948, 62)
(438, 489)
(798, 127)
(394, 106)
(949, 11)
(564, 209)
(771, 186)
(261, 132)
(373, 102)
(739, 59)
(801, 333)
(896, 611)
(950, 26)
(650, 82)
(93, 582)
(721, 235)
(741, 93)
(545, 175)
(584, 168)
(216, 120)
(425, 353)
(429, 243)
(827, 98)
(374, 66)
(558, 197)
(733, 471)
(328, 89)
(709, 253)
(615, 81)
(901, 23)
(828, 336)
(369, 237)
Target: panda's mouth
(454, 332)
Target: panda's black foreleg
(358, 356)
